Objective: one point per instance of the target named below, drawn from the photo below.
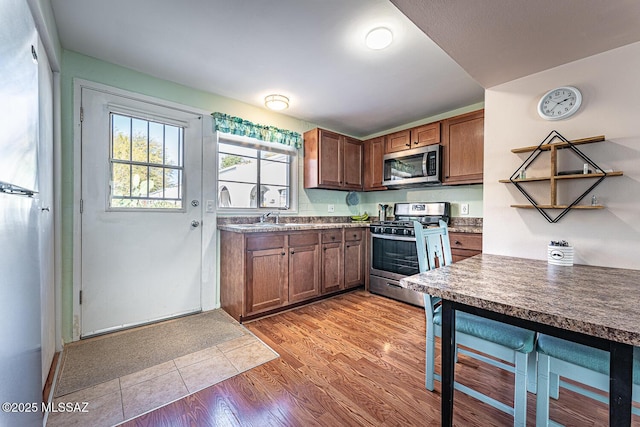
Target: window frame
(243, 141)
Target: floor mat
(97, 360)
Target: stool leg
(520, 393)
(532, 368)
(430, 361)
(554, 385)
(542, 398)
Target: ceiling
(313, 50)
(497, 41)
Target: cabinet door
(425, 135)
(397, 141)
(352, 164)
(332, 267)
(373, 164)
(266, 279)
(354, 261)
(330, 159)
(463, 148)
(304, 266)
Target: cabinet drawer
(332, 236)
(265, 241)
(472, 241)
(460, 254)
(351, 235)
(303, 239)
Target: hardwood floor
(354, 360)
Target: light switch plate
(464, 208)
(211, 206)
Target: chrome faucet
(266, 214)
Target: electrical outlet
(464, 208)
(331, 208)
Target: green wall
(311, 202)
(77, 66)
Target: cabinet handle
(408, 144)
(292, 252)
(457, 242)
(416, 143)
(282, 254)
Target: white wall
(611, 107)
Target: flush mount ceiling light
(379, 38)
(276, 102)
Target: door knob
(195, 203)
(195, 223)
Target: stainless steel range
(393, 248)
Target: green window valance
(235, 125)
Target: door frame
(208, 286)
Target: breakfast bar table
(595, 306)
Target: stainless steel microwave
(410, 168)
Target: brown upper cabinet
(413, 138)
(332, 161)
(463, 148)
(373, 164)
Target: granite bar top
(597, 301)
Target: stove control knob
(408, 232)
(377, 230)
(388, 230)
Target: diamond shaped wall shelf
(553, 143)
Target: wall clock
(559, 103)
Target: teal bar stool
(583, 364)
(514, 346)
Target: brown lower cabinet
(304, 266)
(332, 261)
(465, 245)
(266, 273)
(354, 257)
(261, 273)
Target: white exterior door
(141, 212)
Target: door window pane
(146, 164)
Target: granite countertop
(271, 227)
(465, 229)
(248, 224)
(597, 301)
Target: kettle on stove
(382, 212)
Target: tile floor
(127, 397)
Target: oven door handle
(393, 285)
(393, 237)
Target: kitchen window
(256, 175)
